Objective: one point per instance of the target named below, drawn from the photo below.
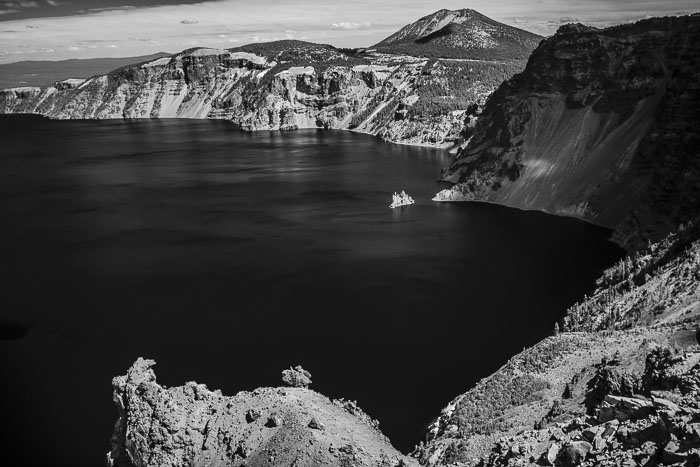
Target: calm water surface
(228, 256)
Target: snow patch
(159, 62)
(298, 70)
(257, 59)
(73, 81)
(24, 89)
(207, 52)
(368, 68)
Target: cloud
(564, 20)
(351, 26)
(341, 24)
(190, 20)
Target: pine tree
(556, 329)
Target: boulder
(252, 415)
(670, 453)
(629, 407)
(664, 405)
(575, 453)
(274, 420)
(316, 425)
(552, 453)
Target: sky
(62, 29)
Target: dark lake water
(228, 256)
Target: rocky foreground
(287, 426)
(620, 399)
(601, 391)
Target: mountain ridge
(462, 33)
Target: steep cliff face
(286, 85)
(289, 86)
(602, 125)
(191, 425)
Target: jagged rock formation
(461, 34)
(286, 85)
(296, 377)
(191, 425)
(602, 125)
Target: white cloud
(351, 26)
(245, 21)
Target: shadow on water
(229, 256)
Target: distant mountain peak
(464, 33)
(430, 24)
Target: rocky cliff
(191, 425)
(601, 124)
(618, 385)
(287, 85)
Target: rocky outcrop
(602, 125)
(191, 425)
(296, 377)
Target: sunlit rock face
(254, 91)
(602, 125)
(418, 94)
(192, 425)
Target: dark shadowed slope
(602, 125)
